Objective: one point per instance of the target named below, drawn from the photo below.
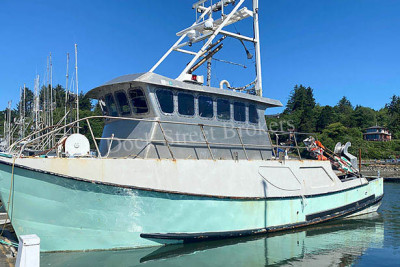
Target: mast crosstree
(206, 28)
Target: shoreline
(389, 172)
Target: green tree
(337, 132)
(363, 117)
(344, 105)
(59, 95)
(300, 106)
(393, 109)
(344, 109)
(84, 102)
(382, 117)
(326, 117)
(28, 102)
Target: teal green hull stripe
(69, 214)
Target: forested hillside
(342, 122)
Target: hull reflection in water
(340, 242)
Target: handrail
(206, 140)
(241, 142)
(94, 139)
(166, 140)
(58, 128)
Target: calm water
(370, 241)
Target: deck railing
(280, 141)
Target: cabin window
(166, 100)
(186, 104)
(206, 109)
(123, 103)
(223, 109)
(111, 106)
(239, 111)
(138, 101)
(253, 114)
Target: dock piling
(28, 251)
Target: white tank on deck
(77, 145)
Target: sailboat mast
(36, 103)
(46, 97)
(9, 123)
(5, 125)
(77, 88)
(66, 93)
(20, 112)
(4, 128)
(258, 85)
(23, 112)
(51, 92)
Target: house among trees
(377, 133)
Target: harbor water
(373, 240)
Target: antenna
(207, 27)
(77, 88)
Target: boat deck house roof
(158, 80)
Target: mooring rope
(13, 244)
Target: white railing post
(28, 251)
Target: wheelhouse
(151, 116)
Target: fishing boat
(178, 161)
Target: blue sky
(338, 47)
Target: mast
(215, 17)
(21, 119)
(258, 86)
(20, 112)
(66, 94)
(77, 88)
(9, 124)
(36, 103)
(46, 96)
(51, 92)
(210, 39)
(175, 46)
(23, 113)
(5, 125)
